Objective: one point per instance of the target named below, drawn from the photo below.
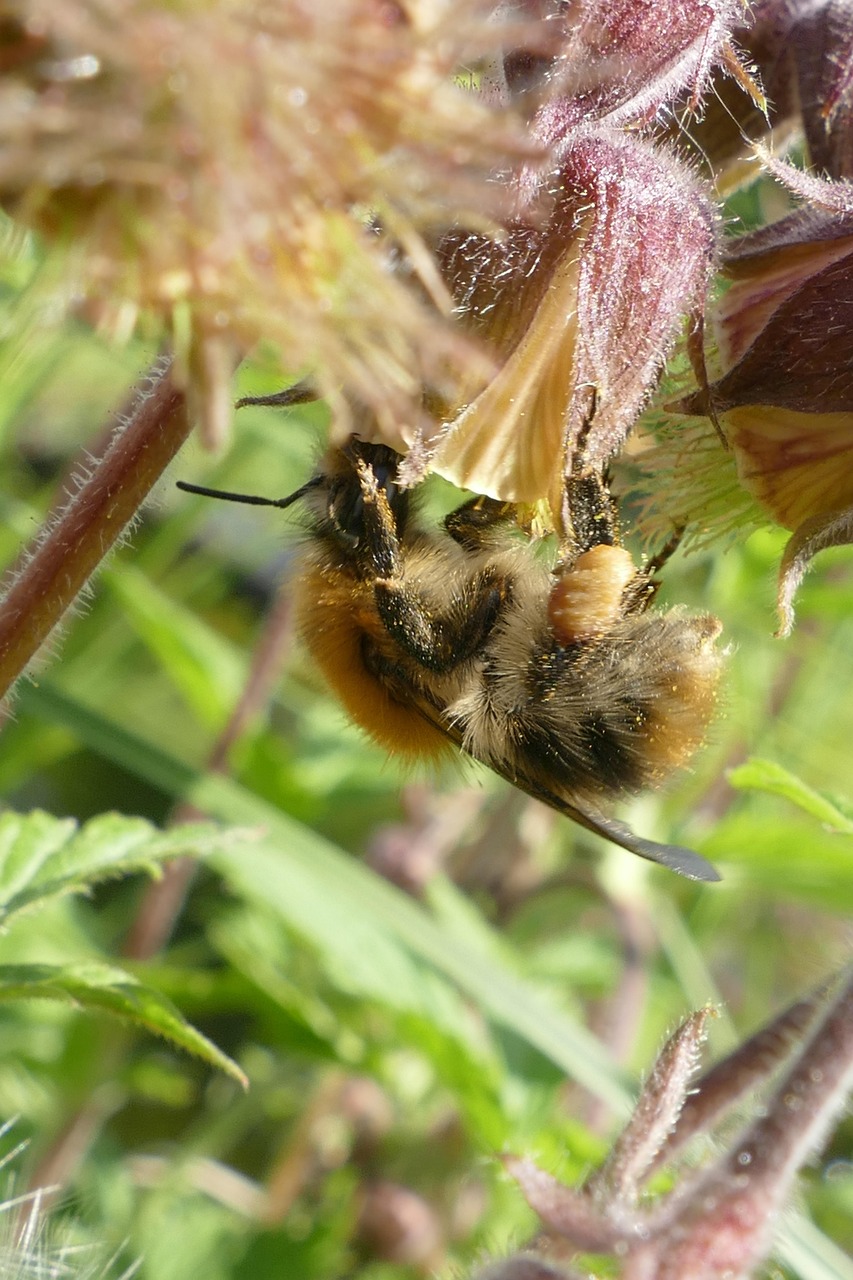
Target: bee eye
(346, 514)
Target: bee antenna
(251, 499)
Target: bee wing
(675, 856)
(683, 861)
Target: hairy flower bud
(624, 61)
(580, 310)
(718, 1220)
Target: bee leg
(590, 516)
(380, 529)
(436, 643)
(660, 558)
(470, 524)
(440, 643)
(646, 585)
(590, 512)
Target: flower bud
(399, 1226)
(580, 310)
(624, 61)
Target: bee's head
(351, 477)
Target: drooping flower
(607, 252)
(580, 310)
(784, 394)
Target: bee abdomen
(607, 716)
(603, 756)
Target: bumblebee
(559, 678)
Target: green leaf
(206, 670)
(767, 776)
(42, 856)
(809, 1253)
(109, 990)
(339, 904)
(793, 859)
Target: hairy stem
(74, 540)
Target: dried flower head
(228, 166)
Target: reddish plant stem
(70, 1146)
(73, 541)
(162, 903)
(301, 1158)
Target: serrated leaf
(110, 990)
(765, 775)
(328, 896)
(42, 856)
